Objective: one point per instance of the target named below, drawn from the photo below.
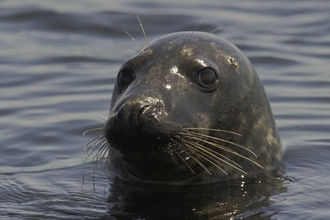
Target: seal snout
(152, 109)
(138, 112)
(136, 119)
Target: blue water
(58, 62)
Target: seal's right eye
(125, 77)
(207, 77)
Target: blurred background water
(58, 63)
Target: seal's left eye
(125, 77)
(207, 77)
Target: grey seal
(189, 108)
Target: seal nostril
(150, 110)
(144, 109)
(141, 113)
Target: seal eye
(125, 77)
(207, 77)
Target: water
(58, 61)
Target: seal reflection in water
(188, 108)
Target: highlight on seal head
(188, 108)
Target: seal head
(190, 108)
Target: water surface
(58, 63)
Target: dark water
(58, 60)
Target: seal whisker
(196, 27)
(93, 129)
(223, 140)
(190, 155)
(225, 149)
(104, 120)
(172, 155)
(216, 158)
(205, 156)
(144, 33)
(139, 45)
(101, 153)
(214, 154)
(180, 155)
(200, 164)
(186, 163)
(191, 34)
(211, 32)
(99, 147)
(92, 143)
(195, 158)
(215, 144)
(213, 129)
